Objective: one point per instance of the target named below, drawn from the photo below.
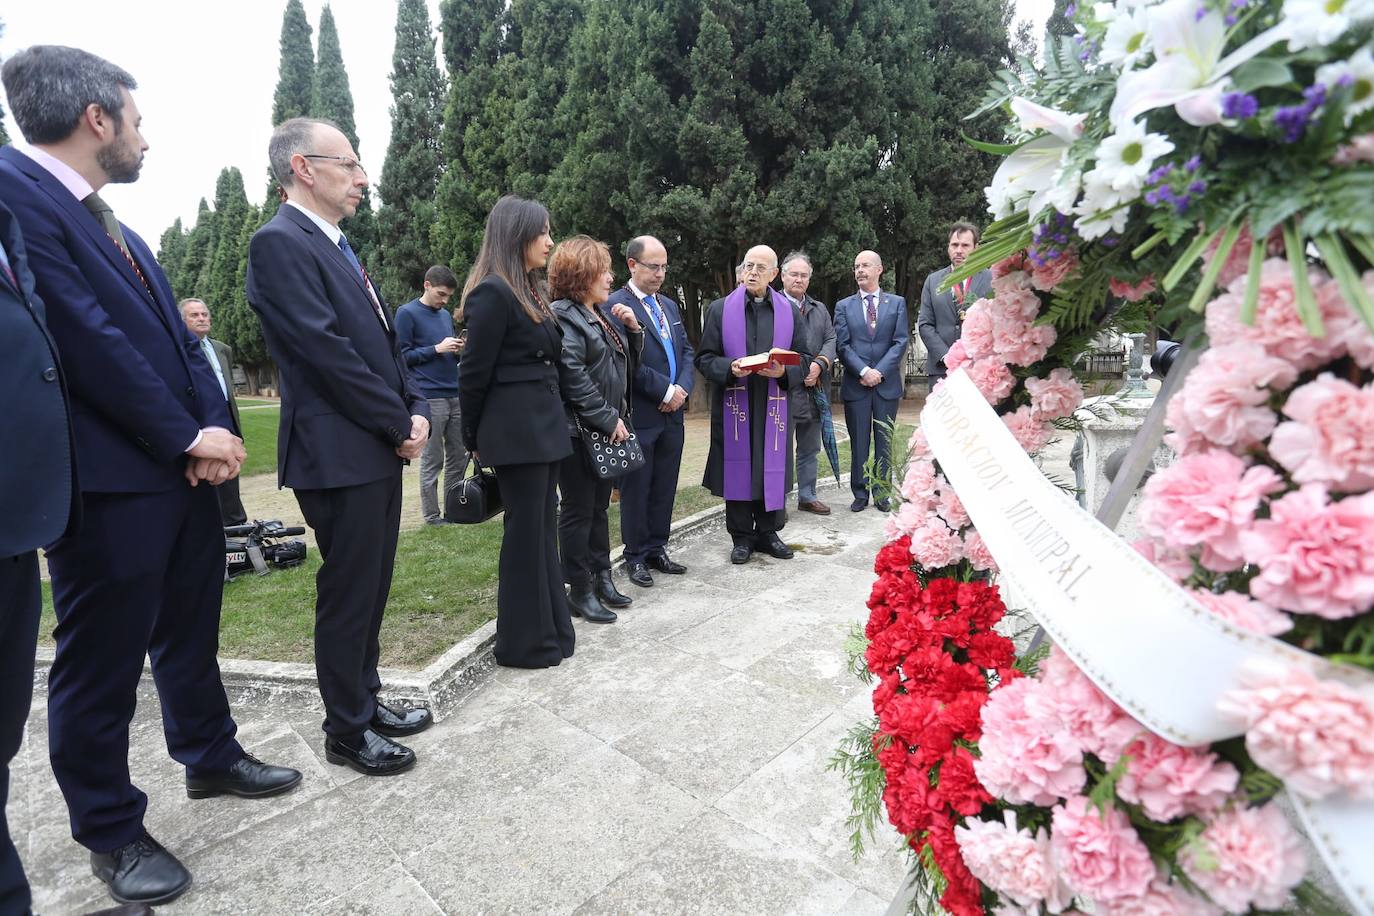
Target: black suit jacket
(650, 382)
(38, 476)
(346, 396)
(508, 387)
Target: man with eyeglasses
(871, 336)
(796, 279)
(659, 392)
(350, 419)
(750, 463)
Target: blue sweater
(418, 329)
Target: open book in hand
(776, 355)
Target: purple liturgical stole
(739, 483)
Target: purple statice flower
(1293, 119)
(1175, 188)
(1239, 106)
(1200, 13)
(1193, 164)
(1049, 240)
(1071, 11)
(1160, 173)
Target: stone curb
(441, 685)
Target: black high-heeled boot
(607, 593)
(583, 604)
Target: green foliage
(855, 645)
(296, 68)
(858, 765)
(331, 96)
(413, 165)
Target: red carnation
(893, 557)
(962, 714)
(991, 651)
(959, 786)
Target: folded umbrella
(832, 449)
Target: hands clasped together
(217, 457)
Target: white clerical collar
(69, 177)
(334, 233)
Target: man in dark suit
(658, 395)
(806, 415)
(196, 314)
(941, 316)
(349, 420)
(143, 574)
(871, 334)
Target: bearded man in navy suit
(144, 574)
(871, 335)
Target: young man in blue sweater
(424, 328)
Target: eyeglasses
(750, 267)
(653, 268)
(350, 165)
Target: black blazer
(649, 380)
(346, 398)
(508, 388)
(592, 371)
(38, 476)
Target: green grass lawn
(260, 440)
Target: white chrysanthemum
(1127, 42)
(1360, 71)
(1103, 209)
(1128, 155)
(1315, 23)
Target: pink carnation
(918, 446)
(976, 331)
(1175, 564)
(1100, 727)
(1160, 899)
(1051, 274)
(951, 508)
(1168, 781)
(1313, 554)
(1277, 326)
(935, 546)
(1359, 149)
(918, 486)
(1013, 863)
(1030, 346)
(1239, 609)
(1330, 436)
(907, 518)
(1056, 396)
(977, 553)
(1099, 851)
(1132, 292)
(1206, 500)
(1246, 857)
(992, 378)
(1238, 261)
(956, 356)
(1226, 399)
(1317, 735)
(1031, 434)
(1028, 756)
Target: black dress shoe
(141, 872)
(882, 505)
(772, 545)
(124, 909)
(639, 575)
(858, 505)
(608, 594)
(369, 753)
(398, 723)
(741, 553)
(582, 603)
(664, 564)
(248, 778)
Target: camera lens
(1166, 351)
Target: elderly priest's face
(760, 267)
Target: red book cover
(761, 360)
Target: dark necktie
(10, 273)
(347, 250)
(871, 312)
(105, 215)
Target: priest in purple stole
(751, 430)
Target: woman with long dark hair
(513, 422)
(596, 364)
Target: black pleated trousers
(584, 537)
(533, 625)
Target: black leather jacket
(592, 371)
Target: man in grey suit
(941, 317)
(871, 335)
(196, 314)
(806, 417)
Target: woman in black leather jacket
(595, 363)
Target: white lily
(1360, 71)
(1025, 178)
(1067, 127)
(1103, 209)
(1189, 72)
(1313, 23)
(1064, 187)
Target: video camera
(260, 547)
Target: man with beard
(750, 463)
(144, 573)
(940, 320)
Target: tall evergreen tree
(231, 210)
(171, 249)
(295, 75)
(413, 164)
(195, 255)
(333, 99)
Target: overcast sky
(206, 73)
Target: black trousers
(869, 419)
(746, 519)
(356, 529)
(647, 495)
(533, 625)
(584, 536)
(143, 576)
(230, 505)
(20, 603)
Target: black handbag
(606, 460)
(475, 499)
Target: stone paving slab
(676, 764)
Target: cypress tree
(171, 248)
(231, 210)
(196, 254)
(333, 99)
(413, 164)
(295, 75)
